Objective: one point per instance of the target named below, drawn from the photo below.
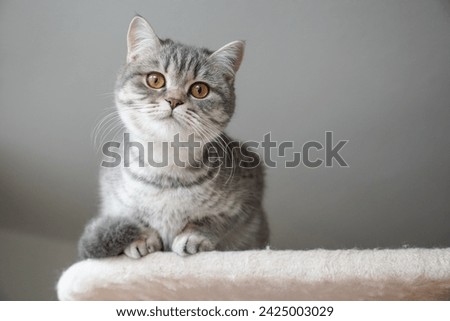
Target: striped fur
(184, 209)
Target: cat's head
(167, 88)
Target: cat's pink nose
(174, 103)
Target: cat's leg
(192, 241)
(199, 235)
(148, 242)
(107, 236)
(221, 232)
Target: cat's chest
(168, 211)
(170, 200)
(171, 197)
(170, 205)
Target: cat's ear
(230, 55)
(141, 37)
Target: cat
(165, 89)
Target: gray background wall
(374, 72)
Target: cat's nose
(174, 103)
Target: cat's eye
(156, 80)
(199, 90)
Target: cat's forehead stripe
(182, 60)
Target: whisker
(203, 135)
(107, 131)
(101, 123)
(212, 134)
(215, 131)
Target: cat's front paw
(146, 244)
(190, 243)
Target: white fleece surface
(404, 274)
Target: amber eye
(199, 90)
(156, 80)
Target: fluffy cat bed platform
(404, 274)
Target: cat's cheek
(188, 243)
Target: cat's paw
(146, 244)
(191, 243)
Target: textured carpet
(404, 274)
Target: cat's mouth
(171, 119)
(163, 115)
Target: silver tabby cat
(167, 88)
